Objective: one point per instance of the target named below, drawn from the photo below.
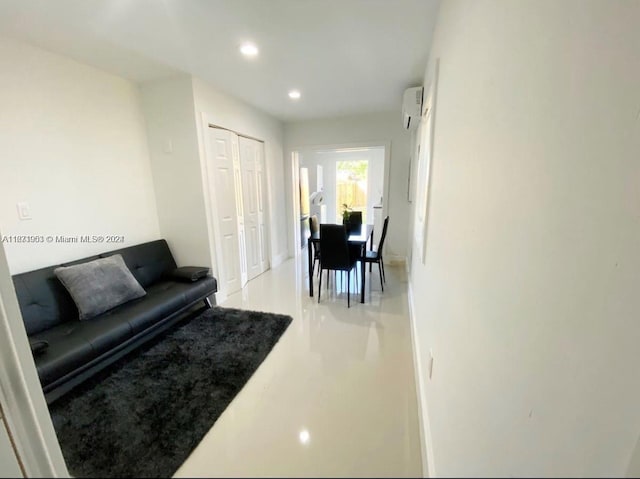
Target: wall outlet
(430, 363)
(24, 211)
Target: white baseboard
(395, 260)
(279, 259)
(426, 444)
(221, 297)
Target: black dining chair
(376, 256)
(355, 218)
(336, 254)
(354, 221)
(314, 227)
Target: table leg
(310, 259)
(370, 249)
(362, 273)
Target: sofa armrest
(189, 274)
(38, 346)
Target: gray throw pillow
(99, 285)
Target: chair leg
(348, 289)
(320, 286)
(380, 270)
(384, 276)
(356, 279)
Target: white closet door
(242, 230)
(225, 181)
(262, 214)
(250, 194)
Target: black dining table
(357, 236)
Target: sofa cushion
(99, 285)
(149, 262)
(162, 299)
(76, 342)
(104, 332)
(68, 350)
(44, 302)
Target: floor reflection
(335, 397)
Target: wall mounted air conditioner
(412, 107)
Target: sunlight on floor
(336, 396)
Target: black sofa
(78, 349)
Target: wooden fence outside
(351, 193)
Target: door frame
(211, 207)
(295, 204)
(24, 408)
(295, 179)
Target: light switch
(167, 147)
(430, 363)
(24, 211)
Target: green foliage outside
(357, 170)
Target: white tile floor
(335, 397)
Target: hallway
(336, 396)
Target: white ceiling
(345, 56)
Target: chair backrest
(355, 218)
(314, 226)
(384, 235)
(334, 246)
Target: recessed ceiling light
(294, 94)
(304, 436)
(249, 50)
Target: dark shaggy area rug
(146, 413)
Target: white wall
(74, 148)
(228, 112)
(175, 160)
(174, 109)
(529, 296)
(310, 159)
(371, 127)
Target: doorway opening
(326, 178)
(351, 187)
